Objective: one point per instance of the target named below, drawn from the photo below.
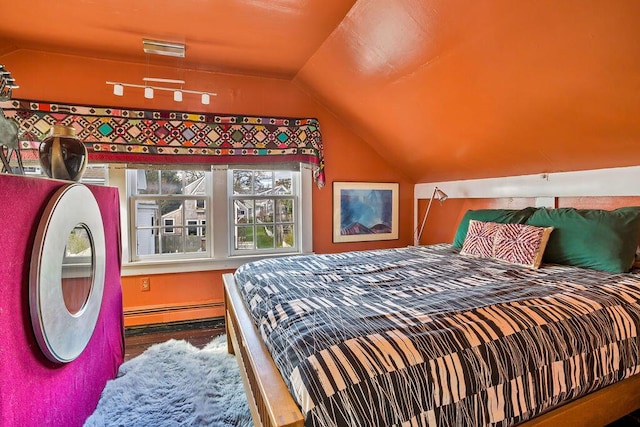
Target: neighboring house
(171, 223)
(243, 213)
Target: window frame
(168, 228)
(131, 180)
(216, 224)
(297, 218)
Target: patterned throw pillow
(479, 239)
(521, 244)
(514, 243)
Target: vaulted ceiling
(443, 89)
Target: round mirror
(77, 269)
(66, 280)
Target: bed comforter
(422, 336)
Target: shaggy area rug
(175, 384)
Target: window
(168, 226)
(189, 220)
(263, 211)
(192, 230)
(164, 214)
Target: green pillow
(503, 216)
(591, 238)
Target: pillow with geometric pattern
(518, 244)
(521, 244)
(479, 239)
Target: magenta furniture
(33, 390)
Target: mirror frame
(63, 336)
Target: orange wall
(65, 78)
(444, 218)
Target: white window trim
(217, 221)
(168, 226)
(161, 258)
(296, 196)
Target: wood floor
(199, 334)
(138, 339)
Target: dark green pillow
(503, 216)
(591, 238)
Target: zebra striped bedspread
(424, 336)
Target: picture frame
(365, 211)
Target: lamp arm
(424, 219)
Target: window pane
(147, 181)
(258, 201)
(264, 236)
(147, 242)
(284, 183)
(263, 182)
(284, 210)
(284, 236)
(170, 211)
(194, 184)
(195, 243)
(243, 211)
(244, 238)
(242, 181)
(192, 231)
(172, 243)
(264, 210)
(174, 213)
(171, 182)
(168, 228)
(146, 213)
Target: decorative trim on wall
(115, 135)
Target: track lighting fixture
(118, 89)
(157, 47)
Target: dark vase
(62, 155)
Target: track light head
(149, 91)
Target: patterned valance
(116, 135)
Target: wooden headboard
(593, 189)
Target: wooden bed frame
(272, 406)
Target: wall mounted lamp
(118, 89)
(441, 196)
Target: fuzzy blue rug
(175, 384)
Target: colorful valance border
(116, 135)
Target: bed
(433, 335)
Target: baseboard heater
(171, 308)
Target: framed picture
(365, 211)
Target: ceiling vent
(156, 47)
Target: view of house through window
(263, 210)
(169, 212)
